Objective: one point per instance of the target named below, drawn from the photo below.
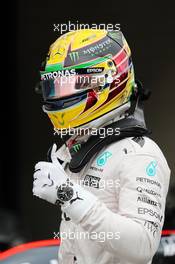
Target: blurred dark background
(26, 132)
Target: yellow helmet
(88, 74)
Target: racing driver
(108, 176)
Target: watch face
(65, 193)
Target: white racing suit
(129, 180)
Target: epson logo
(95, 70)
(142, 210)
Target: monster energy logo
(98, 48)
(76, 147)
(74, 56)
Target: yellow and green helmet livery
(87, 75)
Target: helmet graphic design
(87, 75)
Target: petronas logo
(74, 56)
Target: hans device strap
(128, 127)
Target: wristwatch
(65, 192)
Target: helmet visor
(64, 86)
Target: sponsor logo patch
(145, 199)
(142, 190)
(152, 227)
(142, 210)
(102, 159)
(55, 74)
(96, 169)
(151, 168)
(91, 181)
(145, 180)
